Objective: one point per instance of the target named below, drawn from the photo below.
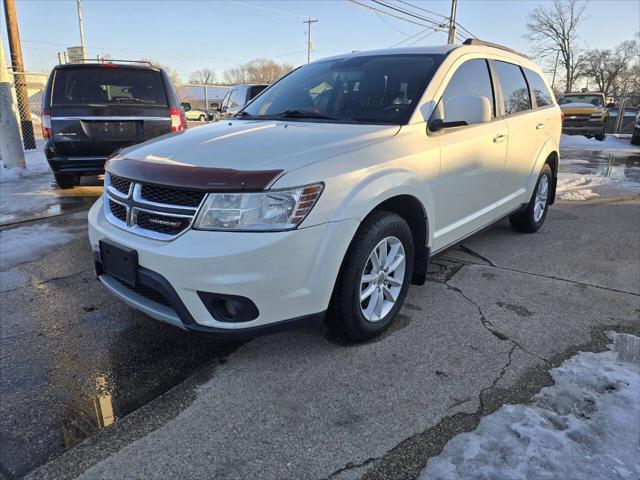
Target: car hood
(258, 145)
(578, 108)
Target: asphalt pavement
(95, 389)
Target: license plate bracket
(119, 261)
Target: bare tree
(610, 69)
(554, 28)
(260, 70)
(204, 76)
(173, 74)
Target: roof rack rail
(477, 41)
(112, 60)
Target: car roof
(132, 66)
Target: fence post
(620, 118)
(11, 150)
(206, 102)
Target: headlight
(269, 210)
(596, 114)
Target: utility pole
(452, 22)
(10, 144)
(19, 78)
(309, 22)
(84, 50)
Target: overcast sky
(189, 35)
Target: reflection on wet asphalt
(618, 165)
(74, 360)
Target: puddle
(619, 166)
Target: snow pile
(23, 244)
(36, 165)
(587, 425)
(610, 143)
(576, 187)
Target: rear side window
(255, 90)
(471, 78)
(514, 87)
(102, 85)
(538, 89)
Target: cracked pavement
(495, 315)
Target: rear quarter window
(539, 89)
(515, 92)
(80, 86)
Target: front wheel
(602, 135)
(374, 278)
(532, 218)
(201, 118)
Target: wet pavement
(74, 360)
(616, 165)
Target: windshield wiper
(303, 114)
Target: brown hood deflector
(190, 177)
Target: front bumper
(289, 276)
(77, 165)
(591, 128)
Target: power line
(391, 25)
(369, 7)
(432, 30)
(437, 14)
(406, 12)
(422, 38)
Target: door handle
(500, 138)
(539, 126)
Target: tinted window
(237, 99)
(589, 100)
(108, 86)
(255, 90)
(514, 87)
(356, 89)
(538, 88)
(471, 78)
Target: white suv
(327, 194)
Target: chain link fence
(203, 100)
(27, 90)
(622, 116)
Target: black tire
(345, 317)
(635, 139)
(66, 180)
(201, 118)
(602, 135)
(525, 221)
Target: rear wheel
(602, 135)
(66, 180)
(532, 218)
(374, 278)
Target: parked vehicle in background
(238, 97)
(585, 113)
(91, 110)
(635, 136)
(327, 194)
(193, 115)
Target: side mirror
(185, 106)
(463, 110)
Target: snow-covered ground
(30, 242)
(576, 187)
(36, 165)
(610, 143)
(585, 426)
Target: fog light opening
(226, 308)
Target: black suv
(91, 110)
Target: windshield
(81, 86)
(380, 89)
(594, 100)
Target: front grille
(120, 184)
(152, 211)
(118, 210)
(171, 196)
(164, 224)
